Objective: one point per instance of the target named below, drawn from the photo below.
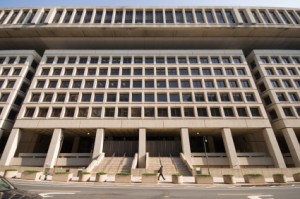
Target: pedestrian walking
(160, 171)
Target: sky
(46, 3)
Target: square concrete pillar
(54, 148)
(230, 148)
(273, 148)
(185, 143)
(99, 140)
(75, 145)
(293, 144)
(142, 149)
(11, 147)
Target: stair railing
(109, 162)
(173, 162)
(122, 161)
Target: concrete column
(273, 148)
(142, 149)
(99, 140)
(210, 143)
(11, 147)
(1, 133)
(75, 144)
(185, 143)
(293, 144)
(230, 148)
(54, 148)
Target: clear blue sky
(268, 3)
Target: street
(159, 191)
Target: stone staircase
(113, 165)
(170, 165)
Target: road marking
(237, 194)
(260, 197)
(48, 195)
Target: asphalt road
(160, 191)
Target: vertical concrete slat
(99, 141)
(273, 148)
(230, 148)
(142, 148)
(185, 142)
(75, 144)
(11, 147)
(54, 148)
(50, 16)
(293, 144)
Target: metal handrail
(173, 162)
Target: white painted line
(260, 197)
(49, 195)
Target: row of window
(143, 60)
(280, 59)
(7, 84)
(149, 71)
(150, 16)
(10, 71)
(148, 83)
(282, 97)
(109, 112)
(282, 71)
(288, 112)
(13, 60)
(278, 84)
(143, 97)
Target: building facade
(156, 82)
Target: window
(187, 97)
(296, 60)
(149, 60)
(243, 16)
(86, 97)
(113, 84)
(204, 60)
(149, 84)
(48, 97)
(22, 60)
(209, 17)
(286, 21)
(122, 112)
(291, 14)
(293, 97)
(139, 16)
(160, 71)
(5, 71)
(149, 16)
(262, 87)
(215, 112)
(264, 60)
(228, 112)
(161, 97)
(298, 110)
(52, 84)
(136, 112)
(220, 16)
(269, 71)
(281, 97)
(69, 112)
(197, 84)
(10, 84)
(128, 16)
(175, 112)
(189, 16)
(35, 97)
(273, 114)
(275, 60)
(161, 84)
(137, 84)
(94, 60)
(149, 97)
(60, 97)
(245, 84)
(193, 60)
(230, 17)
(174, 97)
(98, 97)
(221, 84)
(199, 16)
(206, 71)
(124, 97)
(275, 83)
(250, 97)
(61, 60)
(237, 97)
(40, 84)
(199, 97)
(114, 71)
(88, 16)
(241, 71)
(287, 83)
(195, 71)
(274, 17)
(68, 16)
(73, 97)
(287, 111)
(255, 112)
(265, 17)
(101, 83)
(77, 84)
(292, 71)
(229, 71)
(125, 84)
(212, 97)
(105, 60)
(242, 112)
(209, 84)
(149, 112)
(182, 60)
(202, 112)
(138, 71)
(29, 112)
(69, 71)
(218, 71)
(185, 84)
(136, 97)
(297, 83)
(109, 112)
(179, 16)
(215, 60)
(56, 112)
(126, 71)
(108, 17)
(43, 112)
(11, 60)
(174, 84)
(183, 71)
(118, 16)
(96, 112)
(45, 71)
(103, 71)
(189, 112)
(111, 97)
(80, 71)
(172, 71)
(281, 71)
(233, 84)
(162, 112)
(92, 71)
(149, 71)
(159, 17)
(1, 83)
(169, 16)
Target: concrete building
(137, 86)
